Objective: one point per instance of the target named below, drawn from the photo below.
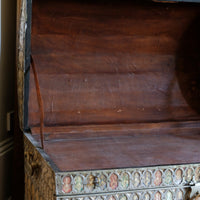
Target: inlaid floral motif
(78, 183)
(147, 196)
(189, 175)
(168, 195)
(90, 182)
(135, 197)
(197, 174)
(179, 195)
(158, 178)
(123, 197)
(136, 179)
(112, 198)
(99, 198)
(147, 178)
(178, 176)
(102, 180)
(113, 181)
(168, 177)
(125, 180)
(67, 187)
(157, 196)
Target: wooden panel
(109, 62)
(39, 175)
(116, 146)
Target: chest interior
(119, 81)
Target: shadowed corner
(188, 65)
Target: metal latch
(194, 193)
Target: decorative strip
(21, 35)
(86, 182)
(162, 194)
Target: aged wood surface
(86, 147)
(39, 176)
(101, 63)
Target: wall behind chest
(7, 70)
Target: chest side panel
(39, 176)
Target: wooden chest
(108, 97)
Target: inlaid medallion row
(126, 179)
(164, 194)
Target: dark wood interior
(119, 81)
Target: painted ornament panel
(113, 181)
(136, 180)
(178, 176)
(67, 187)
(147, 178)
(78, 183)
(158, 178)
(125, 180)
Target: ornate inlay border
(162, 194)
(130, 179)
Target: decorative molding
(6, 146)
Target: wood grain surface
(114, 78)
(116, 146)
(102, 63)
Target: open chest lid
(108, 63)
(116, 64)
(127, 70)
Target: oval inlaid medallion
(189, 175)
(135, 197)
(90, 182)
(147, 178)
(197, 174)
(168, 195)
(112, 198)
(125, 180)
(157, 196)
(147, 196)
(136, 179)
(168, 177)
(178, 176)
(78, 183)
(67, 187)
(179, 195)
(123, 197)
(158, 178)
(113, 181)
(102, 180)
